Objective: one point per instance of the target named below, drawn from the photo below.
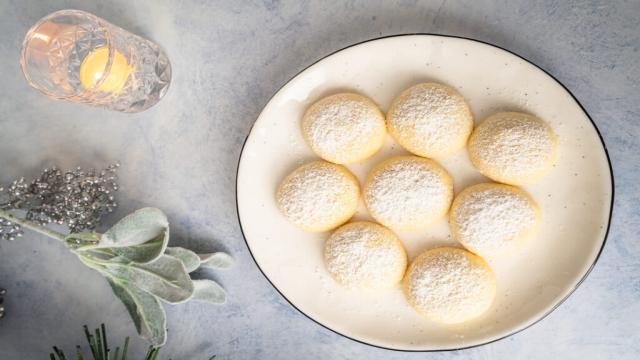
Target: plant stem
(31, 225)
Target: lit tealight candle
(93, 65)
(76, 56)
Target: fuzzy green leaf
(190, 259)
(136, 228)
(146, 312)
(147, 252)
(140, 237)
(209, 291)
(218, 260)
(165, 278)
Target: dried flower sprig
(75, 198)
(137, 262)
(3, 292)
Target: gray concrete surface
(228, 58)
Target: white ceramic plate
(575, 197)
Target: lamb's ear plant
(142, 270)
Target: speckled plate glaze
(575, 197)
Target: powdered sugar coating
(512, 148)
(430, 120)
(493, 219)
(364, 254)
(344, 128)
(450, 285)
(408, 192)
(318, 196)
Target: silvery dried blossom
(76, 198)
(3, 292)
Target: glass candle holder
(76, 56)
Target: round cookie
(430, 120)
(512, 148)
(408, 192)
(344, 128)
(450, 285)
(493, 219)
(318, 196)
(365, 255)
